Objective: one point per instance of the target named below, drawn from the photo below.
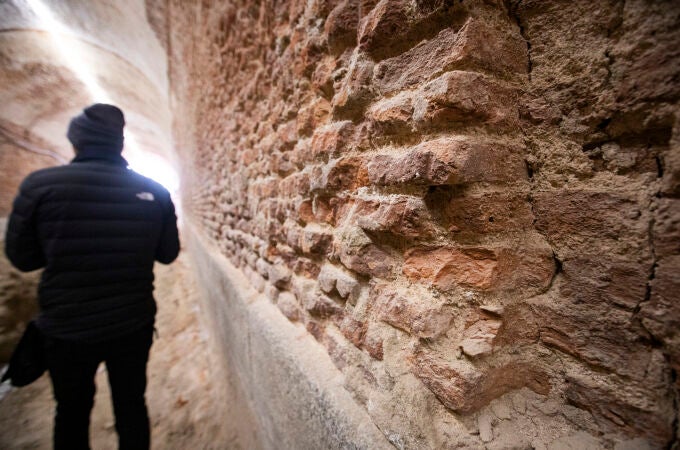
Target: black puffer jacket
(96, 227)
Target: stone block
(332, 140)
(478, 339)
(355, 91)
(481, 213)
(448, 161)
(461, 97)
(358, 253)
(415, 312)
(487, 269)
(464, 388)
(345, 173)
(403, 216)
(475, 45)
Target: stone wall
(472, 206)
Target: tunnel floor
(183, 396)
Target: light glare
(70, 50)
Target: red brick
(475, 45)
(467, 97)
(346, 173)
(321, 306)
(358, 253)
(332, 279)
(322, 78)
(661, 314)
(312, 116)
(478, 339)
(341, 26)
(414, 312)
(484, 213)
(527, 268)
(666, 231)
(400, 215)
(448, 161)
(355, 90)
(332, 140)
(393, 115)
(591, 279)
(626, 410)
(288, 305)
(464, 388)
(384, 25)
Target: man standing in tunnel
(96, 227)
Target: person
(96, 228)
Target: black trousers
(72, 367)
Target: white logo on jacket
(148, 196)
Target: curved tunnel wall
(419, 224)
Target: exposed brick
(312, 116)
(319, 305)
(666, 231)
(661, 314)
(466, 97)
(332, 279)
(603, 337)
(341, 26)
(447, 267)
(626, 408)
(464, 388)
(448, 161)
(355, 90)
(345, 173)
(407, 311)
(593, 280)
(487, 269)
(492, 212)
(478, 339)
(475, 45)
(288, 305)
(322, 79)
(358, 253)
(393, 115)
(332, 140)
(398, 215)
(387, 22)
(354, 330)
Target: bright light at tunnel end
(146, 163)
(155, 167)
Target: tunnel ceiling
(110, 42)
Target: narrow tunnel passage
(406, 224)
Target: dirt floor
(188, 403)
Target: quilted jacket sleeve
(168, 245)
(22, 245)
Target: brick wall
(471, 205)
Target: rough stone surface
(476, 204)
